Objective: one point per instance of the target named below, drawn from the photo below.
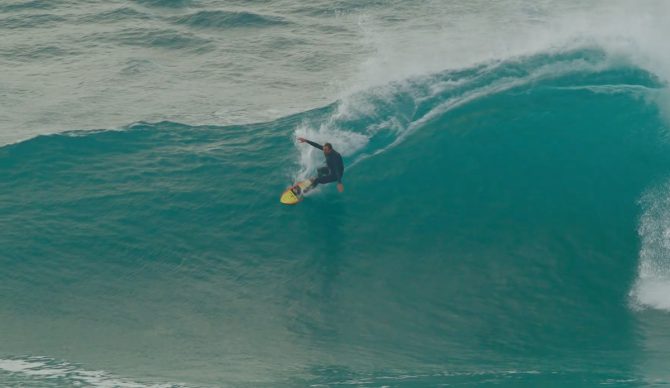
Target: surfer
(334, 168)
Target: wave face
(490, 232)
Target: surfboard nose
(289, 198)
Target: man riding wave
(334, 168)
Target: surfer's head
(327, 148)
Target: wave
(382, 117)
(31, 21)
(35, 52)
(116, 15)
(29, 5)
(489, 216)
(152, 38)
(229, 19)
(165, 3)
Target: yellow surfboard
(294, 194)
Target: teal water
(503, 223)
(475, 243)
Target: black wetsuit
(334, 168)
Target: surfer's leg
(325, 179)
(322, 172)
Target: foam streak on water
(45, 372)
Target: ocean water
(505, 219)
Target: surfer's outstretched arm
(313, 144)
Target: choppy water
(504, 222)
